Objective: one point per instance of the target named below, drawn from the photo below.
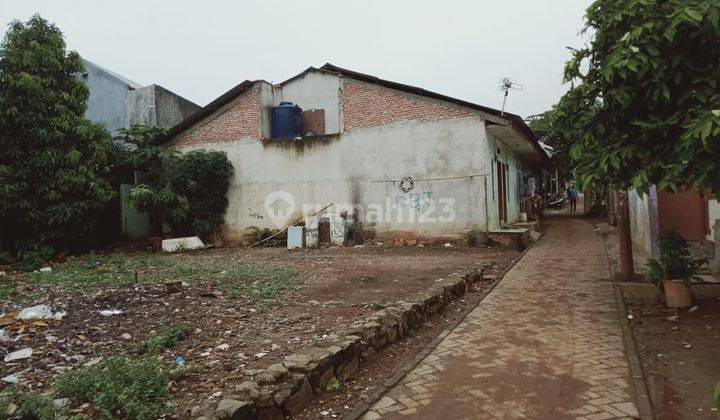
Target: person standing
(572, 196)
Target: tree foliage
(188, 191)
(202, 179)
(560, 127)
(54, 163)
(646, 91)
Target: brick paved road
(545, 344)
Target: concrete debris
(19, 354)
(45, 270)
(10, 379)
(39, 312)
(94, 361)
(181, 244)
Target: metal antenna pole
(505, 85)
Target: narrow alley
(545, 343)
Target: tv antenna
(506, 85)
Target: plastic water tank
(285, 120)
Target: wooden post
(627, 268)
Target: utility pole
(627, 268)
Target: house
(116, 102)
(407, 162)
(690, 213)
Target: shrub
(118, 387)
(202, 179)
(472, 237)
(40, 407)
(675, 262)
(257, 234)
(167, 337)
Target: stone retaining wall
(285, 389)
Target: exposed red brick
(366, 106)
(240, 119)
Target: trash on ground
(110, 312)
(180, 361)
(10, 379)
(40, 312)
(45, 270)
(19, 354)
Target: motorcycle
(558, 203)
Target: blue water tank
(285, 121)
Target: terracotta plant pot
(677, 294)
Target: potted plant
(675, 270)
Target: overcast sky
(200, 49)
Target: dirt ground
(678, 351)
(336, 404)
(231, 334)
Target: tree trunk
(627, 269)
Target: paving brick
(545, 343)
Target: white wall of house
(450, 159)
(358, 168)
(314, 90)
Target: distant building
(116, 102)
(415, 164)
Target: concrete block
(296, 237)
(312, 233)
(337, 229)
(182, 244)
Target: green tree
(187, 191)
(54, 163)
(646, 95)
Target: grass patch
(118, 387)
(93, 270)
(5, 291)
(31, 405)
(262, 283)
(159, 341)
(40, 407)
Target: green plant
(333, 384)
(5, 258)
(5, 291)
(54, 163)
(36, 256)
(118, 387)
(472, 237)
(263, 284)
(40, 407)
(717, 395)
(257, 234)
(202, 179)
(644, 100)
(158, 342)
(675, 261)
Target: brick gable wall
(367, 106)
(240, 119)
